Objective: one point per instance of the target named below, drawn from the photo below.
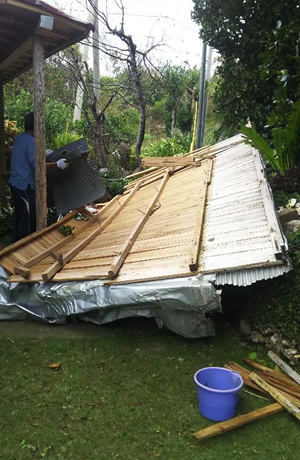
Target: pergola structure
(30, 32)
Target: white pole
(79, 95)
(96, 60)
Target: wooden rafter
(24, 270)
(117, 263)
(200, 224)
(50, 272)
(170, 161)
(37, 234)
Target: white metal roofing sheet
(241, 233)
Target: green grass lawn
(125, 394)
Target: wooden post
(3, 186)
(39, 132)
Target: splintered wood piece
(284, 401)
(37, 234)
(240, 420)
(263, 368)
(282, 386)
(118, 261)
(287, 369)
(199, 225)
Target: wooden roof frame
(43, 31)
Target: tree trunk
(139, 92)
(99, 147)
(173, 120)
(39, 133)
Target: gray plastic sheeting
(180, 304)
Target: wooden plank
(138, 257)
(23, 271)
(199, 225)
(287, 369)
(285, 379)
(39, 132)
(50, 272)
(27, 44)
(240, 420)
(34, 260)
(245, 376)
(170, 161)
(117, 263)
(140, 173)
(37, 234)
(289, 389)
(285, 402)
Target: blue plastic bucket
(218, 391)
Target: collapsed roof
(208, 212)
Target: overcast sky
(167, 20)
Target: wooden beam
(170, 161)
(141, 173)
(246, 377)
(289, 388)
(16, 53)
(118, 261)
(51, 250)
(42, 10)
(50, 272)
(223, 427)
(39, 133)
(200, 224)
(285, 402)
(287, 369)
(3, 186)
(25, 272)
(272, 372)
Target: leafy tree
(258, 42)
(180, 87)
(284, 153)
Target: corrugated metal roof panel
(241, 230)
(250, 276)
(78, 185)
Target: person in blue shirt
(22, 179)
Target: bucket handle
(237, 374)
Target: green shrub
(276, 302)
(6, 226)
(177, 144)
(65, 138)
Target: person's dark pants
(25, 211)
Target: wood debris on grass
(280, 387)
(55, 367)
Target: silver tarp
(180, 304)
